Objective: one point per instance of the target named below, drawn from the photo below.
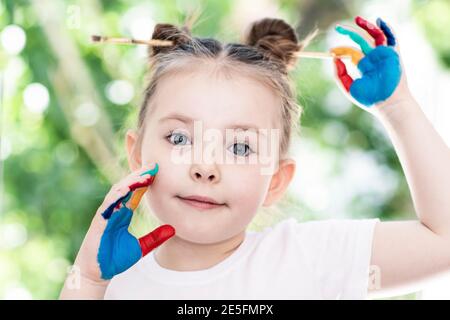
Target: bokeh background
(65, 104)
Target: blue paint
(381, 72)
(387, 32)
(119, 249)
(109, 211)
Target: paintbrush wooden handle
(318, 55)
(155, 42)
(152, 42)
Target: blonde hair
(267, 55)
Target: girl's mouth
(201, 203)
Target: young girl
(202, 250)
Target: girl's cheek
(155, 149)
(248, 184)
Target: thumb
(156, 238)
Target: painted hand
(119, 249)
(380, 66)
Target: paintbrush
(165, 43)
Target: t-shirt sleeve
(339, 251)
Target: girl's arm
(407, 252)
(404, 253)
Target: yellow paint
(348, 51)
(136, 198)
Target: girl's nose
(205, 173)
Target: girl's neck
(180, 255)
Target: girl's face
(210, 161)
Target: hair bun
(166, 31)
(276, 38)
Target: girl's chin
(200, 226)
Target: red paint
(342, 74)
(146, 183)
(156, 238)
(376, 33)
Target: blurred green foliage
(434, 16)
(52, 185)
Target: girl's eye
(241, 149)
(177, 138)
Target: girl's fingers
(387, 32)
(147, 178)
(355, 36)
(112, 207)
(376, 33)
(121, 192)
(113, 199)
(137, 190)
(144, 181)
(155, 238)
(151, 169)
(140, 187)
(136, 198)
(355, 54)
(134, 180)
(342, 74)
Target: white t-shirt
(327, 259)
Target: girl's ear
(133, 154)
(280, 181)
